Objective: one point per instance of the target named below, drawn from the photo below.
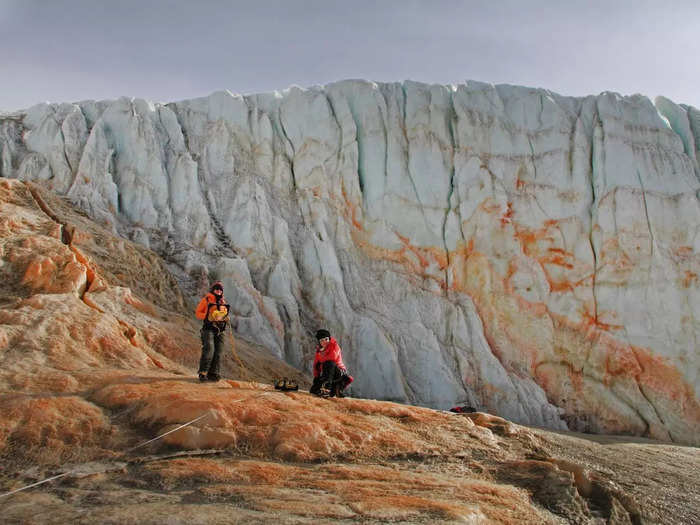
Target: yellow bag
(217, 315)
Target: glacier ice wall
(529, 254)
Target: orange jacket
(201, 311)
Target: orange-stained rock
(358, 491)
(294, 426)
(53, 430)
(68, 324)
(44, 275)
(4, 339)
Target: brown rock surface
(81, 308)
(97, 356)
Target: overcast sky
(70, 50)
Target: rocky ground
(98, 354)
(261, 456)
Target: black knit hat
(320, 334)
(217, 284)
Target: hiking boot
(213, 378)
(202, 377)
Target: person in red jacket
(214, 312)
(329, 370)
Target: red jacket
(330, 353)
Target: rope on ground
(74, 470)
(126, 451)
(36, 484)
(168, 432)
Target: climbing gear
(286, 385)
(321, 392)
(319, 388)
(217, 316)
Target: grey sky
(69, 50)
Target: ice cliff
(529, 254)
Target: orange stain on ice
(539, 244)
(592, 320)
(472, 273)
(690, 279)
(558, 257)
(683, 252)
(640, 364)
(508, 215)
(351, 211)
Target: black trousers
(212, 344)
(332, 377)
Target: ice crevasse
(532, 255)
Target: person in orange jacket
(214, 312)
(329, 369)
